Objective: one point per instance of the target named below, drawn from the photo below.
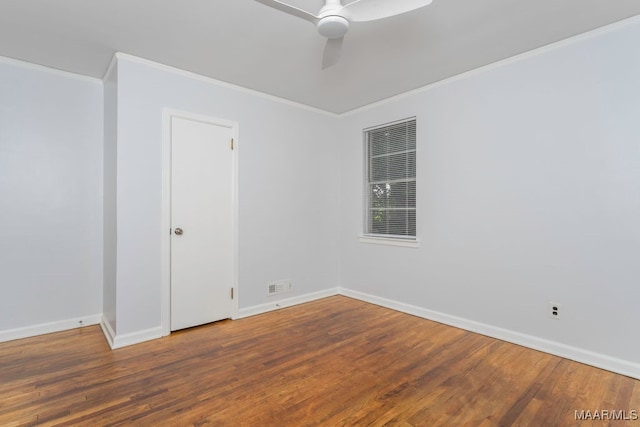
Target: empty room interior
(310, 212)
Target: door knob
(178, 231)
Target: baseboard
(119, 341)
(619, 366)
(47, 328)
(108, 331)
(283, 303)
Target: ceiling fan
(334, 19)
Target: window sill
(389, 241)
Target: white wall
(50, 197)
(528, 191)
(287, 189)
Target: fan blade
(291, 10)
(370, 10)
(332, 52)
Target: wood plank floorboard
(332, 362)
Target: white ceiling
(248, 44)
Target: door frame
(165, 232)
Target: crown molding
(45, 69)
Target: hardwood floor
(335, 361)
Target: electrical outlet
(554, 310)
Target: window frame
(375, 238)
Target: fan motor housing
(333, 26)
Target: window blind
(391, 180)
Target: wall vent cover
(280, 287)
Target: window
(391, 180)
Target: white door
(202, 273)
